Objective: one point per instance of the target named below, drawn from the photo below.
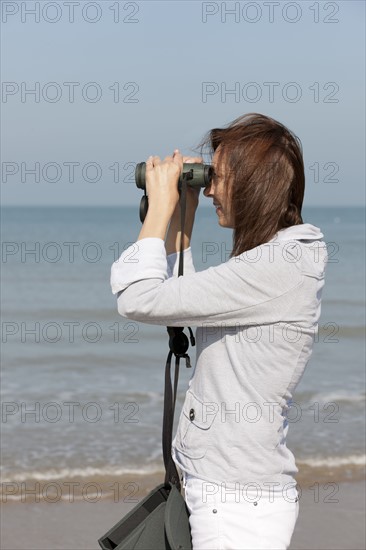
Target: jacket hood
(304, 231)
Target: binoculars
(195, 174)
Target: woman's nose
(207, 191)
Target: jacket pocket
(193, 432)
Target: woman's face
(218, 190)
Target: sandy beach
(322, 525)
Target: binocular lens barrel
(196, 174)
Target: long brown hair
(266, 180)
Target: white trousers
(246, 519)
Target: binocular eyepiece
(196, 174)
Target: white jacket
(256, 317)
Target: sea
(82, 387)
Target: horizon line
(137, 206)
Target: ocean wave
(88, 472)
(338, 396)
(334, 332)
(112, 472)
(333, 461)
(339, 302)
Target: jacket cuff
(144, 259)
(173, 263)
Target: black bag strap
(178, 344)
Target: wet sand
(322, 524)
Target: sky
(91, 88)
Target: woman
(256, 317)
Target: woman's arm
(172, 241)
(238, 291)
(162, 189)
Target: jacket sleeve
(240, 290)
(173, 263)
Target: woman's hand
(173, 238)
(162, 181)
(192, 194)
